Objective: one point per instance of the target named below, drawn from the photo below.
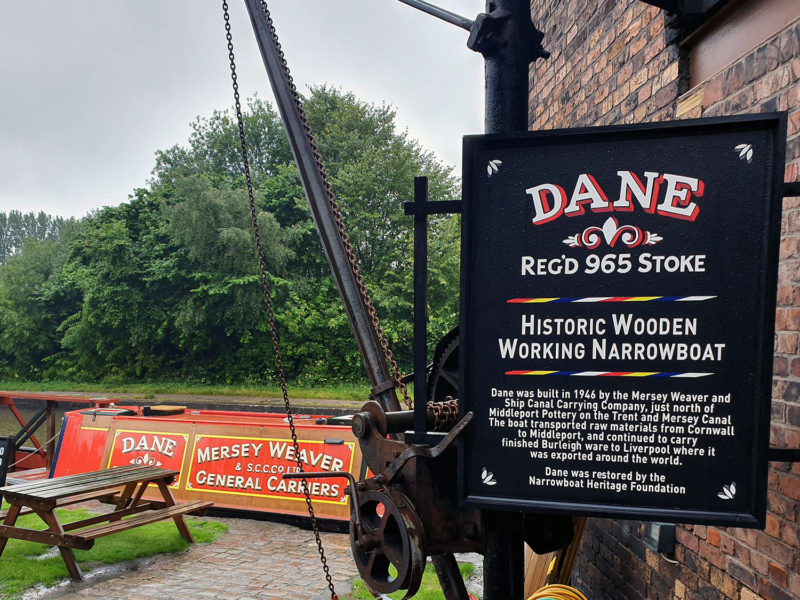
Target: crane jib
(372, 345)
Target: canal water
(10, 426)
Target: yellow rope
(557, 592)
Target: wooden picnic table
(121, 486)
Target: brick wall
(616, 61)
(610, 63)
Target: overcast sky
(90, 89)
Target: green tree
(120, 326)
(371, 167)
(167, 284)
(17, 227)
(221, 313)
(33, 303)
(213, 148)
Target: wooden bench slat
(51, 489)
(117, 514)
(140, 519)
(88, 496)
(32, 486)
(99, 494)
(50, 538)
(114, 476)
(82, 479)
(60, 492)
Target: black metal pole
(420, 303)
(450, 579)
(441, 13)
(321, 212)
(506, 72)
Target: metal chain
(445, 413)
(266, 291)
(337, 214)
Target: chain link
(266, 291)
(337, 215)
(445, 413)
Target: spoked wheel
(388, 548)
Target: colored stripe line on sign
(611, 299)
(610, 374)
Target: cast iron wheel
(390, 539)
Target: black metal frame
(420, 209)
(30, 428)
(441, 13)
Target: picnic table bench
(121, 486)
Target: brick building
(626, 61)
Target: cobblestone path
(255, 560)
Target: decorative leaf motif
(651, 239)
(146, 460)
(612, 232)
(745, 152)
(493, 166)
(728, 491)
(488, 477)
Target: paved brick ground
(255, 560)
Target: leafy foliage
(167, 286)
(17, 228)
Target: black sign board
(618, 301)
(6, 452)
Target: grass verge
(332, 392)
(429, 590)
(25, 564)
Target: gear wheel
(443, 379)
